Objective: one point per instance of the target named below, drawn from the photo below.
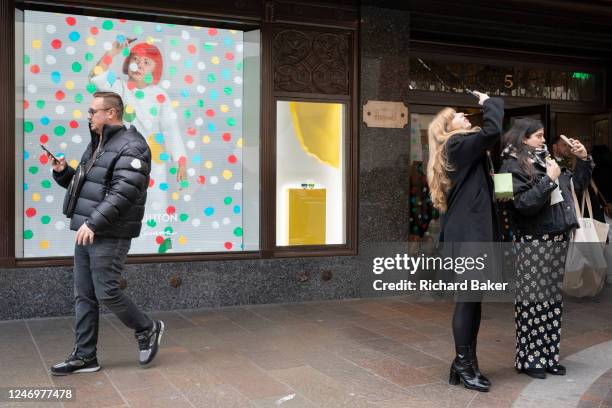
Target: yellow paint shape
(36, 44)
(182, 240)
(44, 244)
(74, 163)
(224, 108)
(36, 197)
(239, 143)
(206, 139)
(91, 41)
(215, 60)
(69, 85)
(156, 149)
(227, 174)
(208, 164)
(76, 114)
(98, 70)
(307, 216)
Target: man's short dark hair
(111, 100)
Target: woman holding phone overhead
(459, 177)
(543, 215)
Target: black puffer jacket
(112, 199)
(531, 211)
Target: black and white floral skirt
(540, 263)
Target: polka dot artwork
(190, 115)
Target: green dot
(33, 170)
(211, 78)
(187, 114)
(26, 59)
(151, 223)
(162, 248)
(183, 217)
(238, 66)
(91, 88)
(76, 66)
(238, 231)
(40, 104)
(173, 42)
(139, 94)
(129, 117)
(28, 234)
(59, 131)
(184, 183)
(208, 47)
(172, 70)
(28, 126)
(172, 170)
(138, 30)
(148, 78)
(45, 219)
(107, 25)
(227, 200)
(125, 52)
(168, 230)
(46, 184)
(231, 121)
(201, 103)
(153, 111)
(227, 90)
(89, 56)
(78, 98)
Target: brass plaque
(384, 114)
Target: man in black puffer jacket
(108, 214)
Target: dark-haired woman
(543, 216)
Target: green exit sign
(581, 75)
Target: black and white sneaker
(148, 342)
(75, 364)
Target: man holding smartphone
(108, 214)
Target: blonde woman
(459, 178)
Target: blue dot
(236, 209)
(196, 159)
(164, 156)
(163, 186)
(56, 77)
(213, 94)
(209, 211)
(158, 28)
(44, 120)
(226, 74)
(26, 155)
(188, 63)
(25, 186)
(121, 38)
(74, 36)
(184, 93)
(227, 41)
(111, 77)
(211, 127)
(159, 138)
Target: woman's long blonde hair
(438, 166)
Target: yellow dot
(98, 70)
(227, 174)
(69, 85)
(36, 44)
(35, 197)
(233, 31)
(129, 109)
(150, 40)
(175, 104)
(182, 240)
(197, 28)
(175, 196)
(224, 108)
(206, 139)
(239, 143)
(44, 244)
(74, 163)
(215, 60)
(76, 114)
(208, 164)
(91, 41)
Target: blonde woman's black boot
(462, 370)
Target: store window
(192, 92)
(310, 173)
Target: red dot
(73, 124)
(191, 48)
(94, 30)
(151, 182)
(44, 138)
(212, 31)
(70, 21)
(131, 85)
(227, 137)
(202, 179)
(170, 210)
(228, 245)
(107, 59)
(26, 104)
(182, 160)
(210, 113)
(159, 239)
(191, 131)
(188, 79)
(122, 20)
(232, 159)
(43, 158)
(35, 69)
(161, 98)
(59, 95)
(229, 56)
(30, 212)
(56, 44)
